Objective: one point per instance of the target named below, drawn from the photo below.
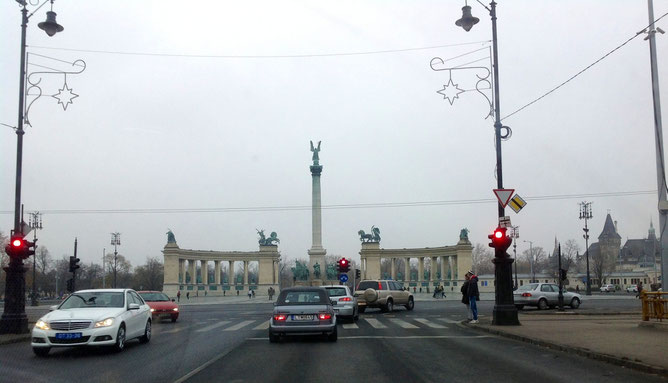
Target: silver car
(544, 295)
(345, 304)
(303, 311)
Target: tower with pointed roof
(609, 240)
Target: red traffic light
(343, 265)
(17, 242)
(344, 262)
(500, 241)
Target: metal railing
(654, 305)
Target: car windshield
(336, 291)
(93, 299)
(155, 297)
(530, 286)
(303, 297)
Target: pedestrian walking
(178, 296)
(253, 293)
(465, 298)
(188, 295)
(474, 295)
(639, 295)
(205, 292)
(250, 294)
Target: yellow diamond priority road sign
(517, 203)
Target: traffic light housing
(358, 274)
(74, 263)
(343, 265)
(563, 274)
(500, 241)
(18, 247)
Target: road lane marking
(404, 337)
(403, 324)
(428, 323)
(215, 325)
(446, 320)
(176, 330)
(349, 326)
(239, 325)
(263, 325)
(375, 323)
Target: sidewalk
(619, 339)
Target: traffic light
(358, 273)
(563, 274)
(500, 241)
(70, 285)
(18, 247)
(343, 265)
(74, 263)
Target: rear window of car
(530, 286)
(154, 297)
(368, 285)
(302, 297)
(336, 291)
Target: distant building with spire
(641, 253)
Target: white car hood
(92, 314)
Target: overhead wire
(331, 207)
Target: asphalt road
(212, 343)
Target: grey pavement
(620, 339)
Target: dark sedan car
(303, 311)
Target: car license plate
(68, 335)
(302, 317)
(333, 303)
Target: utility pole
(658, 136)
(561, 284)
(104, 250)
(531, 261)
(35, 224)
(116, 241)
(514, 234)
(586, 214)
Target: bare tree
(482, 257)
(601, 265)
(121, 266)
(44, 260)
(149, 276)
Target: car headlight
(42, 325)
(105, 323)
(152, 310)
(175, 309)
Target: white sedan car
(102, 317)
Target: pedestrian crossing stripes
(215, 325)
(429, 323)
(402, 324)
(380, 323)
(239, 325)
(262, 326)
(375, 323)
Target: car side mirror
(133, 306)
(54, 307)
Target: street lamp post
(116, 241)
(14, 319)
(514, 234)
(585, 213)
(35, 224)
(505, 312)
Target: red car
(161, 306)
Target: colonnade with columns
(448, 266)
(179, 261)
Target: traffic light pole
(561, 283)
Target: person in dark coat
(474, 295)
(465, 298)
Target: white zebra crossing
(375, 323)
(402, 324)
(239, 325)
(215, 325)
(262, 326)
(350, 326)
(429, 323)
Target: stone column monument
(317, 252)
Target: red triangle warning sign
(503, 195)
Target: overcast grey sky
(181, 132)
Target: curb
(557, 313)
(623, 362)
(10, 339)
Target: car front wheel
(411, 304)
(120, 339)
(542, 304)
(147, 333)
(389, 306)
(575, 303)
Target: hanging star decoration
(65, 96)
(450, 91)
